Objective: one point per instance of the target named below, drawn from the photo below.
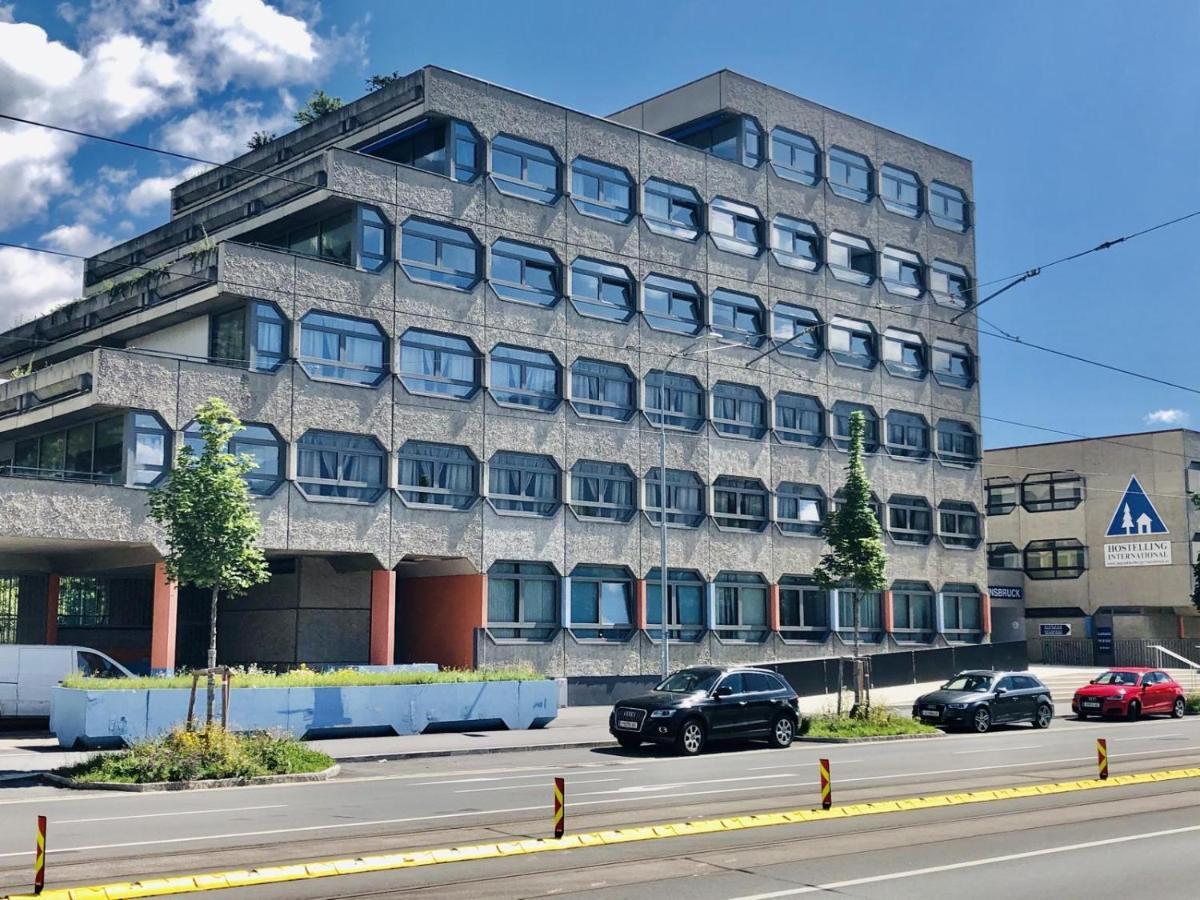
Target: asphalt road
(99, 836)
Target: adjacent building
(1091, 545)
(457, 321)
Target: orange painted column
(383, 617)
(163, 617)
(889, 618)
(773, 607)
(1179, 624)
(985, 612)
(52, 588)
(639, 604)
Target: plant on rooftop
(378, 82)
(319, 104)
(260, 139)
(304, 677)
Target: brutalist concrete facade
(141, 341)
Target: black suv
(978, 699)
(706, 703)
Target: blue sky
(1081, 120)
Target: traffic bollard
(826, 787)
(39, 865)
(1102, 757)
(559, 806)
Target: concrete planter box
(83, 718)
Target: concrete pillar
(1180, 631)
(889, 618)
(639, 604)
(834, 612)
(163, 617)
(939, 614)
(383, 617)
(52, 588)
(773, 607)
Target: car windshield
(968, 683)
(1129, 678)
(689, 681)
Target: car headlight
(956, 706)
(662, 713)
(1120, 695)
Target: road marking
(966, 864)
(526, 787)
(186, 812)
(1156, 737)
(515, 777)
(840, 762)
(998, 749)
(666, 785)
(264, 875)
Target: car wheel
(982, 720)
(783, 732)
(690, 740)
(1179, 708)
(628, 742)
(1135, 711)
(1081, 716)
(1045, 715)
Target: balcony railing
(7, 470)
(52, 384)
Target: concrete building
(453, 317)
(1091, 545)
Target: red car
(1130, 692)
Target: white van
(29, 671)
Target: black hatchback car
(979, 699)
(702, 704)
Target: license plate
(628, 724)
(931, 713)
(1092, 704)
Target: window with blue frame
(341, 348)
(674, 400)
(685, 604)
(523, 600)
(738, 317)
(602, 599)
(900, 191)
(339, 466)
(850, 258)
(958, 524)
(730, 136)
(603, 490)
(852, 343)
(525, 169)
(439, 254)
(795, 243)
(441, 365)
(740, 504)
(524, 484)
(735, 227)
(524, 377)
(602, 290)
(352, 236)
(151, 457)
(444, 146)
(910, 519)
(950, 284)
(866, 608)
(904, 354)
(601, 190)
(957, 444)
(254, 335)
(604, 390)
(741, 606)
(524, 273)
(907, 435)
(952, 364)
(795, 156)
(739, 410)
(685, 498)
(797, 330)
(260, 443)
(672, 210)
(948, 206)
(849, 174)
(799, 419)
(672, 305)
(803, 609)
(442, 476)
(800, 508)
(912, 611)
(842, 411)
(901, 272)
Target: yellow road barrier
(189, 884)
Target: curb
(300, 777)
(473, 751)
(874, 739)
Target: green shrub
(305, 677)
(206, 753)
(1193, 703)
(876, 721)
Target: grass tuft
(877, 721)
(1193, 703)
(207, 753)
(305, 677)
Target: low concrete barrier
(84, 718)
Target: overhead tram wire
(1015, 279)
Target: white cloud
(35, 282)
(6, 12)
(149, 193)
(1166, 417)
(221, 134)
(78, 238)
(250, 40)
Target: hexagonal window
(603, 390)
(685, 498)
(958, 524)
(439, 254)
(525, 169)
(800, 508)
(602, 290)
(842, 411)
(670, 304)
(739, 410)
(957, 444)
(799, 419)
(735, 227)
(524, 484)
(795, 243)
(740, 504)
(602, 602)
(525, 377)
(331, 465)
(261, 443)
(439, 365)
(850, 258)
(601, 190)
(904, 354)
(795, 156)
(738, 317)
(673, 400)
(910, 519)
(852, 342)
(907, 435)
(672, 210)
(603, 491)
(437, 476)
(524, 273)
(900, 190)
(902, 272)
(797, 330)
(742, 599)
(343, 348)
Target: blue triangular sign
(1135, 514)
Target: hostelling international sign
(1136, 517)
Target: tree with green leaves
(856, 557)
(260, 139)
(319, 104)
(212, 528)
(378, 82)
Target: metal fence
(1066, 652)
(1125, 652)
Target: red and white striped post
(559, 806)
(1102, 757)
(39, 865)
(826, 786)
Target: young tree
(211, 526)
(377, 82)
(260, 139)
(319, 104)
(856, 557)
